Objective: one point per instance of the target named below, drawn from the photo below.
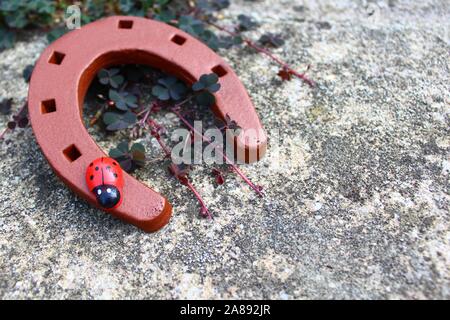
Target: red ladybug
(105, 179)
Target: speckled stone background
(358, 208)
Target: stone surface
(358, 208)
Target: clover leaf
(165, 16)
(209, 6)
(55, 34)
(191, 25)
(129, 158)
(169, 88)
(230, 41)
(17, 20)
(5, 106)
(118, 121)
(120, 150)
(123, 100)
(205, 98)
(7, 39)
(126, 6)
(210, 39)
(110, 77)
(26, 73)
(246, 23)
(207, 82)
(197, 29)
(271, 40)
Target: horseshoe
(64, 72)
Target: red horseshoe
(64, 72)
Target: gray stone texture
(357, 209)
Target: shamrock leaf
(205, 87)
(129, 158)
(271, 40)
(118, 121)
(246, 23)
(120, 151)
(210, 39)
(94, 11)
(160, 3)
(229, 41)
(7, 39)
(55, 34)
(126, 6)
(10, 6)
(26, 73)
(169, 88)
(205, 98)
(5, 106)
(123, 100)
(110, 77)
(209, 6)
(207, 82)
(165, 16)
(191, 25)
(17, 20)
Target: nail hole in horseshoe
(48, 106)
(72, 153)
(179, 40)
(56, 58)
(219, 70)
(125, 24)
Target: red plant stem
(147, 113)
(3, 133)
(227, 160)
(142, 112)
(165, 148)
(204, 208)
(266, 52)
(100, 112)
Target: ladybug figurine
(105, 179)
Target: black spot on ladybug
(91, 164)
(115, 175)
(91, 177)
(108, 168)
(96, 168)
(114, 163)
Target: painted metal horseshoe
(64, 72)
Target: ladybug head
(107, 196)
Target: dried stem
(154, 126)
(154, 132)
(3, 133)
(256, 188)
(266, 52)
(204, 210)
(17, 113)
